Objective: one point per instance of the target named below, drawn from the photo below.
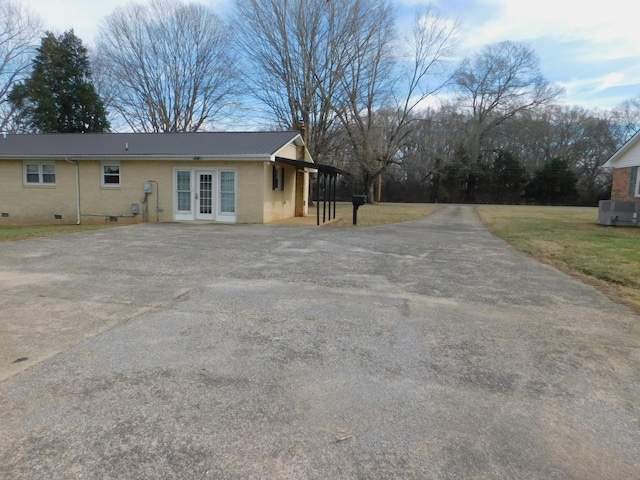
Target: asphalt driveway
(427, 349)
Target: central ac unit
(619, 213)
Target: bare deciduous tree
(387, 80)
(339, 67)
(627, 118)
(20, 30)
(164, 66)
(501, 81)
(291, 50)
(427, 150)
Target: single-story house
(626, 162)
(237, 177)
(624, 206)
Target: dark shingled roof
(201, 144)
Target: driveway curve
(426, 349)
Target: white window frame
(181, 215)
(102, 174)
(190, 191)
(220, 213)
(637, 189)
(40, 173)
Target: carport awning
(315, 166)
(325, 184)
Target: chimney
(303, 131)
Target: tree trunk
(470, 193)
(435, 195)
(370, 189)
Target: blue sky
(591, 49)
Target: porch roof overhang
(326, 169)
(327, 177)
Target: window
(183, 187)
(227, 192)
(634, 185)
(110, 175)
(40, 173)
(278, 178)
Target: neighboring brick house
(625, 162)
(624, 207)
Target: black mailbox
(357, 201)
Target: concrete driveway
(427, 349)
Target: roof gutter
(144, 157)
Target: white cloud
(605, 90)
(577, 42)
(611, 80)
(612, 27)
(81, 16)
(591, 49)
(85, 16)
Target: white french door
(205, 195)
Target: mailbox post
(357, 200)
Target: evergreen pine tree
(554, 184)
(59, 96)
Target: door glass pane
(183, 182)
(205, 194)
(227, 192)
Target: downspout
(157, 200)
(73, 162)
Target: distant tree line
(552, 155)
(388, 106)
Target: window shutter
(632, 184)
(274, 181)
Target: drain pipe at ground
(74, 162)
(157, 200)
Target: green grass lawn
(22, 233)
(570, 239)
(370, 215)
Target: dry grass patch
(570, 239)
(23, 233)
(370, 215)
